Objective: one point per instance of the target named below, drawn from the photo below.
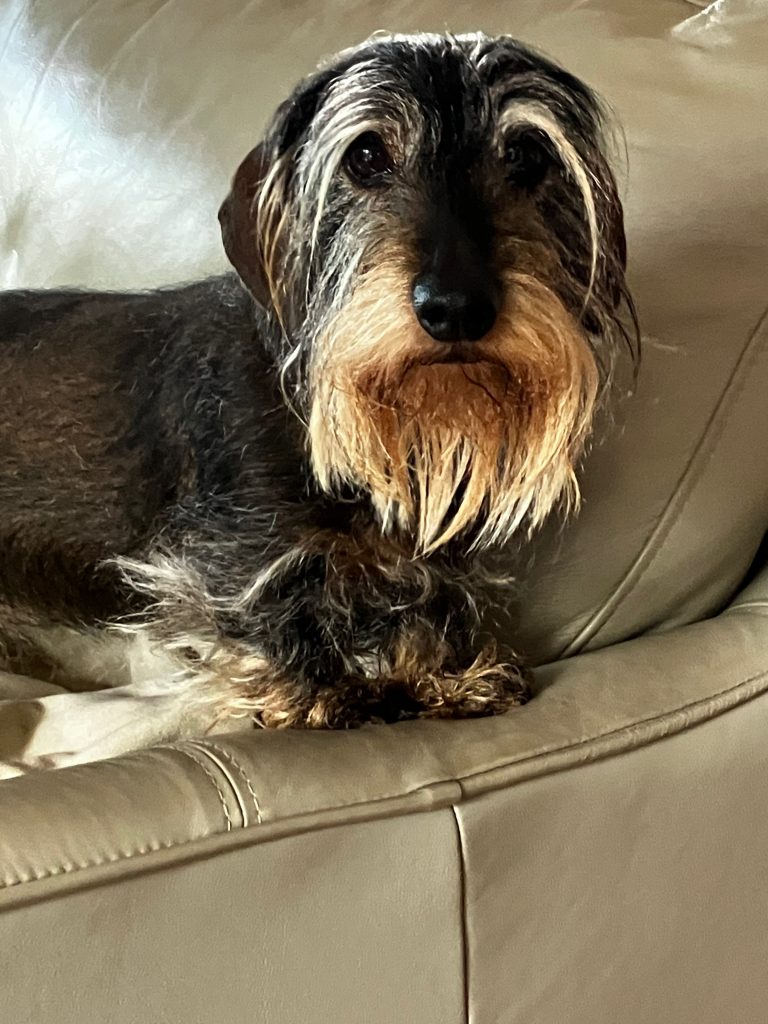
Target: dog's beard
(486, 440)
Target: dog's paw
(485, 688)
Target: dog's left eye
(527, 159)
(367, 160)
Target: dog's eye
(527, 158)
(367, 160)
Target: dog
(280, 487)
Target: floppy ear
(617, 243)
(239, 229)
(242, 234)
(610, 213)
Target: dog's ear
(241, 231)
(239, 228)
(617, 248)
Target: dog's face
(433, 223)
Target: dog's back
(112, 413)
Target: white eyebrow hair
(351, 107)
(529, 112)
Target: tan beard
(441, 446)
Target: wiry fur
(288, 492)
(489, 440)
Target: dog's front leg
(334, 632)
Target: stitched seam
(233, 786)
(64, 869)
(633, 726)
(686, 484)
(612, 732)
(212, 777)
(70, 869)
(463, 928)
(241, 772)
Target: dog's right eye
(367, 160)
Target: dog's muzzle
(455, 298)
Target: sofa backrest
(122, 123)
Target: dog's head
(433, 224)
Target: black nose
(452, 315)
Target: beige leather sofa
(598, 857)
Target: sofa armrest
(556, 864)
(592, 706)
